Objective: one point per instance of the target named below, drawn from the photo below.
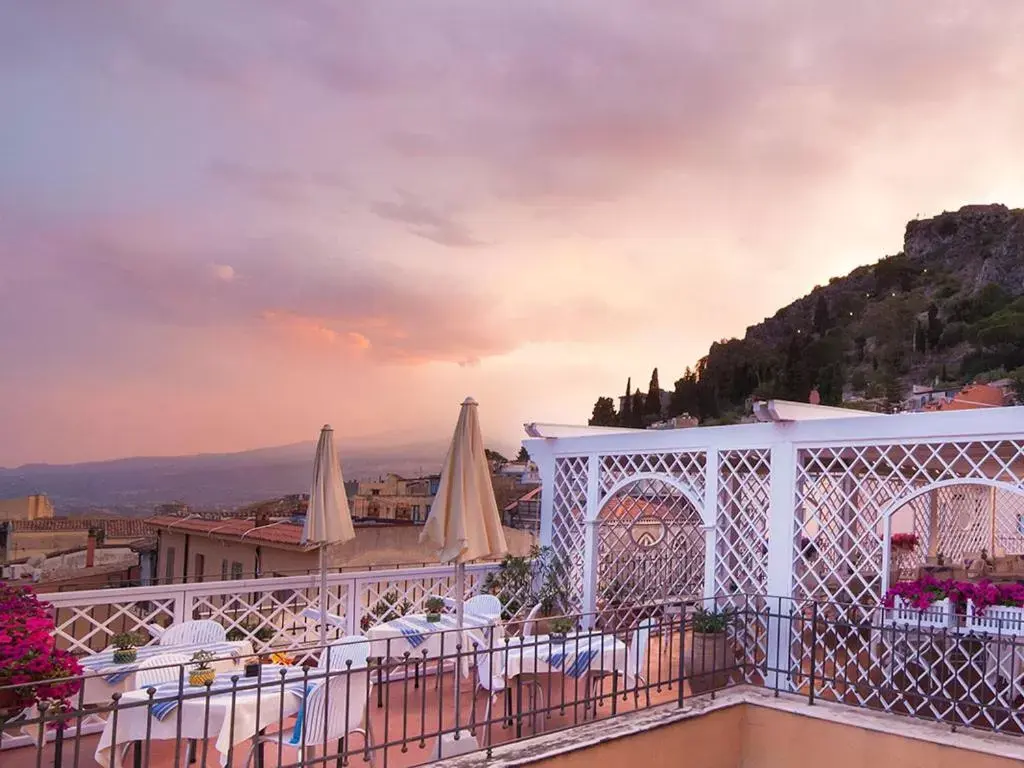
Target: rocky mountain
(947, 308)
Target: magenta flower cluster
(922, 593)
(32, 668)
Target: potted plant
(125, 645)
(202, 673)
(434, 606)
(707, 656)
(561, 627)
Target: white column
(781, 515)
(591, 523)
(710, 518)
(546, 469)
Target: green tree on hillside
(604, 413)
(822, 321)
(523, 455)
(637, 419)
(685, 396)
(626, 416)
(494, 456)
(652, 407)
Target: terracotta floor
(403, 734)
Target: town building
(392, 497)
(34, 507)
(523, 513)
(996, 394)
(194, 549)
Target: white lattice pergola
(723, 511)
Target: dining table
(103, 678)
(233, 710)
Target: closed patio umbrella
(328, 519)
(464, 523)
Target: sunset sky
(226, 222)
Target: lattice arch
(957, 520)
(649, 543)
(845, 493)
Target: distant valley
(133, 486)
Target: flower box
(996, 620)
(938, 615)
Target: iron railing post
(814, 650)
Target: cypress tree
(653, 405)
(626, 417)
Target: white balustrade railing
(267, 612)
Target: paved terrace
(409, 719)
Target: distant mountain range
(133, 486)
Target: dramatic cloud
(206, 207)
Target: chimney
(90, 549)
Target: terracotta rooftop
(531, 495)
(972, 396)
(126, 528)
(282, 533)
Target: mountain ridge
(946, 309)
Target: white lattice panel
(741, 522)
(270, 615)
(86, 626)
(843, 492)
(650, 544)
(843, 496)
(267, 612)
(568, 518)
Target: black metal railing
(416, 696)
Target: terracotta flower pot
(706, 660)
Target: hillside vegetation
(948, 308)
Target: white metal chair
(337, 655)
(194, 633)
(487, 669)
(165, 668)
(335, 707)
(482, 605)
(636, 662)
(530, 625)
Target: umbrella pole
(323, 596)
(460, 610)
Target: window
(236, 571)
(223, 570)
(402, 513)
(373, 511)
(375, 491)
(169, 566)
(200, 568)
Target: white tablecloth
(104, 678)
(133, 721)
(579, 655)
(414, 634)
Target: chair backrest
(165, 668)
(484, 605)
(636, 654)
(337, 655)
(530, 626)
(194, 633)
(338, 706)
